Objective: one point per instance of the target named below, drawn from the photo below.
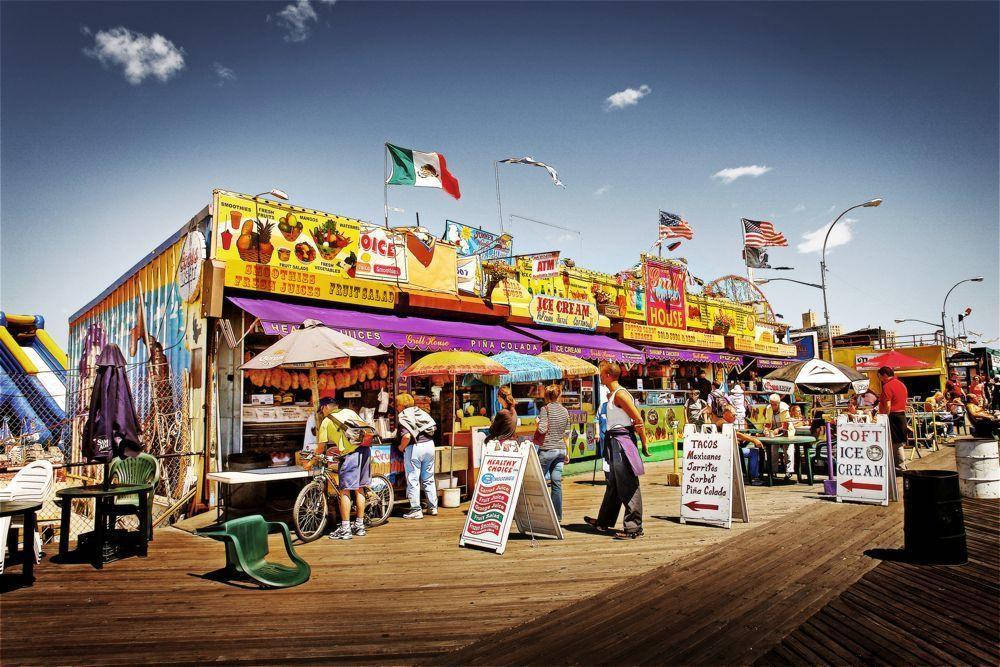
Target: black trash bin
(933, 524)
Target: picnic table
(103, 496)
(798, 441)
(27, 554)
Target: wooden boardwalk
(900, 613)
(406, 593)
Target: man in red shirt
(893, 403)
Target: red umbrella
(893, 359)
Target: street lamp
(910, 319)
(871, 203)
(944, 306)
(764, 281)
(274, 192)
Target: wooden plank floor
(902, 613)
(728, 604)
(405, 592)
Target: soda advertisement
(665, 293)
(477, 241)
(381, 255)
(285, 249)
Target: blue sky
(113, 137)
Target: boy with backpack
(416, 433)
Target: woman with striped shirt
(553, 425)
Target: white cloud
(140, 56)
(626, 98)
(841, 235)
(799, 208)
(296, 19)
(223, 73)
(730, 174)
(601, 190)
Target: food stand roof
(586, 346)
(416, 333)
(657, 353)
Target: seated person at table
(795, 418)
(817, 428)
(353, 473)
(984, 424)
(936, 403)
(776, 420)
(695, 409)
(751, 450)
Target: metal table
(797, 441)
(27, 509)
(103, 495)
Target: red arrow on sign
(850, 485)
(695, 505)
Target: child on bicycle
(353, 473)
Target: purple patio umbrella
(112, 424)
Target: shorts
(355, 470)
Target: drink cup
(234, 218)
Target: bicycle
(310, 512)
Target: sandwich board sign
(712, 488)
(866, 471)
(511, 488)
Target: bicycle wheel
(309, 512)
(379, 501)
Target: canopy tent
(816, 376)
(522, 368)
(893, 359)
(570, 365)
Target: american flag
(673, 226)
(758, 234)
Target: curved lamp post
(944, 306)
(274, 192)
(822, 268)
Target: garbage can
(933, 524)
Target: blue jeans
(552, 468)
(418, 462)
(752, 455)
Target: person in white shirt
(739, 402)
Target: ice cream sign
(381, 255)
(556, 311)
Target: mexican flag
(423, 170)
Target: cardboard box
(443, 459)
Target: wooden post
(674, 478)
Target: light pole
(822, 269)
(910, 319)
(944, 307)
(274, 192)
(764, 281)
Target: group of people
(980, 402)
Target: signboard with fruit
(284, 249)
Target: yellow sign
(721, 316)
(747, 344)
(556, 311)
(289, 250)
(661, 336)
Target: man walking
(621, 458)
(893, 403)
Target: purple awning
(415, 333)
(657, 353)
(587, 346)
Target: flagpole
(385, 182)
(743, 245)
(496, 175)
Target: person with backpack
(718, 402)
(416, 433)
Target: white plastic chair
(32, 483)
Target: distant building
(809, 320)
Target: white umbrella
(313, 343)
(816, 376)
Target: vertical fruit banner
(665, 295)
(285, 249)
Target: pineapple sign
(285, 249)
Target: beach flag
(422, 170)
(673, 226)
(756, 258)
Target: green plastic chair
(246, 548)
(141, 469)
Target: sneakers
(433, 511)
(359, 530)
(341, 533)
(414, 514)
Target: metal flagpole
(743, 245)
(496, 175)
(385, 183)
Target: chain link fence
(33, 426)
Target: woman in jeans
(416, 432)
(553, 424)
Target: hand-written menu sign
(712, 486)
(556, 311)
(865, 467)
(510, 485)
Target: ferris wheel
(740, 290)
